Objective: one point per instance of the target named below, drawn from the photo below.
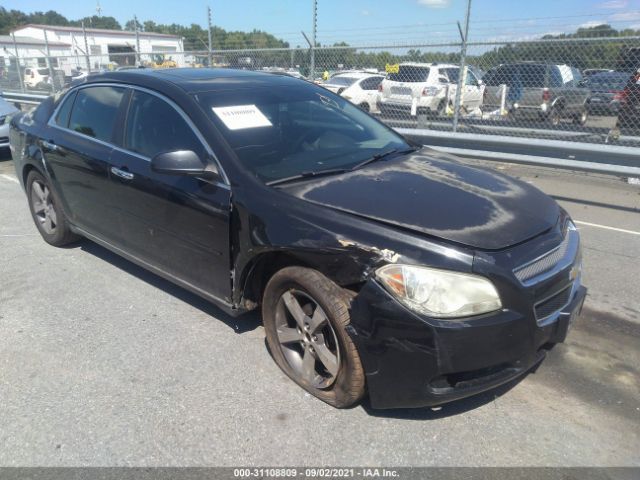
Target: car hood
(435, 194)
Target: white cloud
(365, 13)
(614, 4)
(591, 24)
(625, 16)
(435, 3)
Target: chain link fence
(575, 89)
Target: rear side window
(62, 117)
(501, 75)
(370, 83)
(451, 74)
(533, 76)
(95, 110)
(154, 126)
(410, 73)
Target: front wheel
(305, 317)
(581, 117)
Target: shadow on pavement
(244, 323)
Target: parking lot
(104, 364)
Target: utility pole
(461, 73)
(209, 31)
(312, 66)
(135, 21)
(51, 76)
(15, 47)
(86, 48)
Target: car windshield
(43, 71)
(284, 131)
(410, 73)
(342, 81)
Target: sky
(366, 22)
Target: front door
(178, 224)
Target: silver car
(536, 90)
(6, 109)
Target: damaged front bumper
(415, 361)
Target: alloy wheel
(307, 339)
(43, 209)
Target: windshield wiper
(308, 174)
(380, 156)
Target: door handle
(49, 145)
(122, 173)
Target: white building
(103, 47)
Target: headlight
(3, 119)
(439, 293)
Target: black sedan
(380, 266)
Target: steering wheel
(313, 133)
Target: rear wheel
(554, 116)
(305, 317)
(46, 212)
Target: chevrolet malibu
(381, 267)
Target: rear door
(178, 224)
(77, 147)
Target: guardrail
(606, 159)
(26, 98)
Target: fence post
(209, 31)
(135, 20)
(51, 76)
(86, 48)
(312, 66)
(463, 54)
(15, 47)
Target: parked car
(6, 110)
(629, 111)
(379, 265)
(359, 88)
(606, 92)
(418, 88)
(36, 78)
(537, 90)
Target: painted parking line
(606, 227)
(11, 178)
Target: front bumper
(414, 361)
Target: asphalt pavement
(104, 364)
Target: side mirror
(443, 79)
(182, 162)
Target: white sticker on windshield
(241, 116)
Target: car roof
(356, 75)
(194, 80)
(434, 64)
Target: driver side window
(153, 126)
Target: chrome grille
(554, 260)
